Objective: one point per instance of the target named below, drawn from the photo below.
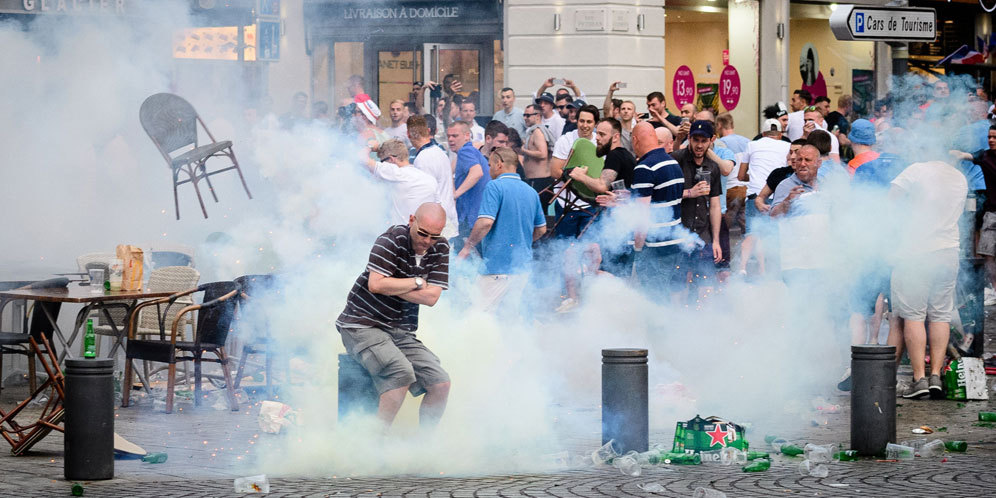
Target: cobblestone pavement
(215, 446)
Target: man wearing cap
(550, 119)
(572, 115)
(862, 138)
(762, 156)
(365, 115)
(776, 111)
(701, 212)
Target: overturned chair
(214, 320)
(171, 123)
(576, 195)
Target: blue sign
(268, 40)
(859, 22)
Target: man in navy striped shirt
(408, 267)
(658, 183)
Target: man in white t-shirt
(468, 111)
(761, 157)
(431, 159)
(574, 220)
(929, 198)
(398, 128)
(410, 187)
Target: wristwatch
(419, 283)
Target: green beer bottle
(987, 416)
(754, 455)
(759, 465)
(681, 458)
(847, 456)
(89, 341)
(959, 446)
(792, 450)
(77, 489)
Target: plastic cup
(811, 468)
(96, 280)
(605, 453)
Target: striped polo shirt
(392, 256)
(658, 176)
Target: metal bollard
(873, 398)
(89, 404)
(356, 389)
(624, 399)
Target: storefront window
(397, 72)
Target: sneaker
(845, 382)
(918, 389)
(567, 305)
(936, 389)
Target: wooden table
(81, 294)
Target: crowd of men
(544, 189)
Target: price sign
(729, 88)
(683, 86)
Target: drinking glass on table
(96, 280)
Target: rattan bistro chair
(214, 320)
(171, 123)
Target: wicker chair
(171, 123)
(214, 320)
(168, 279)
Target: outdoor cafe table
(91, 300)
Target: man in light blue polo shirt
(506, 240)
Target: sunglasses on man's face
(562, 107)
(423, 233)
(528, 114)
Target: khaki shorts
(497, 290)
(394, 358)
(987, 235)
(924, 287)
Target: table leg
(58, 333)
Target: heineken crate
(713, 433)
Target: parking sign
(859, 22)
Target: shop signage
(268, 37)
(620, 20)
(430, 12)
(683, 86)
(589, 20)
(63, 6)
(729, 88)
(853, 22)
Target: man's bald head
(665, 139)
(644, 138)
(431, 214)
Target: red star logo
(718, 436)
